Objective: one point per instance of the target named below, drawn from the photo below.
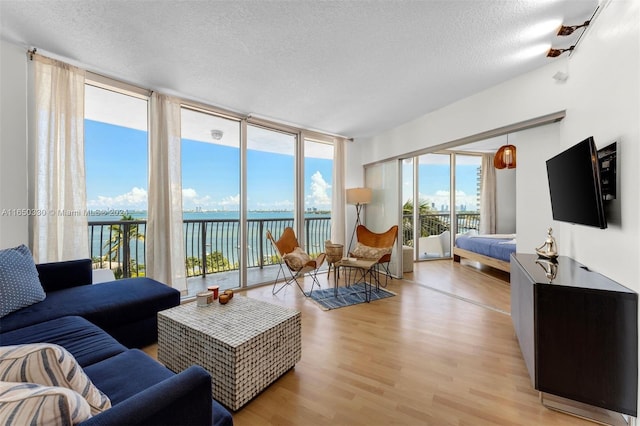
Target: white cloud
(231, 200)
(191, 199)
(136, 199)
(319, 196)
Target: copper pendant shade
(505, 158)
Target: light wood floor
(442, 352)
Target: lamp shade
(358, 195)
(505, 158)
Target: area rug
(347, 296)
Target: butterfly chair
(294, 261)
(371, 245)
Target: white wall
(13, 145)
(601, 98)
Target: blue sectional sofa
(126, 309)
(98, 324)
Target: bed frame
(459, 253)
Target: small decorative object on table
(548, 250)
(205, 298)
(215, 289)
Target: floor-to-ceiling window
(433, 225)
(210, 164)
(271, 196)
(433, 213)
(239, 179)
(318, 190)
(467, 193)
(116, 172)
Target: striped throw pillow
(32, 404)
(49, 365)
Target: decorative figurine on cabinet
(548, 250)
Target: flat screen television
(575, 186)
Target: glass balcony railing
(211, 245)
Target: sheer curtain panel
(165, 250)
(338, 193)
(488, 196)
(60, 228)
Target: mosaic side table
(246, 344)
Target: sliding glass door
(271, 197)
(433, 206)
(318, 191)
(467, 195)
(432, 213)
(210, 166)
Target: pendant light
(505, 157)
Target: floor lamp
(359, 197)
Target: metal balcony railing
(211, 245)
(436, 223)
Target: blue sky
(434, 183)
(116, 173)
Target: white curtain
(488, 196)
(338, 193)
(165, 250)
(59, 223)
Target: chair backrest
(286, 243)
(372, 239)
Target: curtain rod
(99, 81)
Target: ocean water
(222, 234)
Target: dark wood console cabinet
(578, 332)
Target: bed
(492, 250)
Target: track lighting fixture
(568, 30)
(553, 53)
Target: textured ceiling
(353, 68)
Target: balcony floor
(231, 279)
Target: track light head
(568, 30)
(554, 53)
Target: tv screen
(575, 187)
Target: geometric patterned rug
(347, 296)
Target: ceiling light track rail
(566, 30)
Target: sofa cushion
(296, 259)
(87, 343)
(33, 404)
(143, 372)
(49, 365)
(107, 305)
(19, 283)
(366, 252)
(69, 273)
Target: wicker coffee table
(245, 345)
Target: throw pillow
(19, 283)
(296, 259)
(33, 404)
(49, 365)
(366, 252)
